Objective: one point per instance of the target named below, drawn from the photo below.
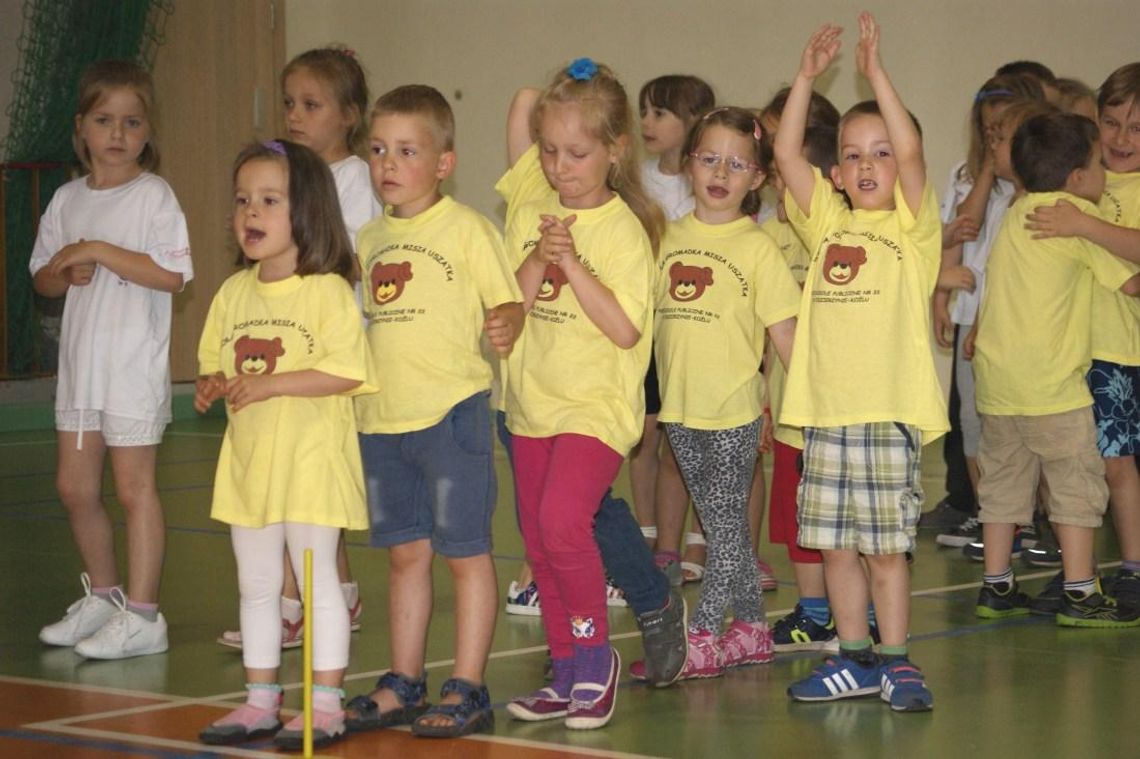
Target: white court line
(65, 725)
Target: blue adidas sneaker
(904, 688)
(838, 677)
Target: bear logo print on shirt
(388, 281)
(841, 263)
(552, 280)
(688, 283)
(256, 356)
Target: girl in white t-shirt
(326, 101)
(114, 244)
(723, 282)
(669, 106)
(284, 346)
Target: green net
(58, 40)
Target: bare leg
(1076, 551)
(809, 580)
(890, 589)
(134, 471)
(79, 480)
(476, 605)
(847, 593)
(1124, 496)
(997, 540)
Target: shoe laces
(968, 526)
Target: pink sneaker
(593, 705)
(705, 657)
(245, 723)
(746, 643)
(538, 706)
(768, 579)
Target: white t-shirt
(975, 253)
(671, 191)
(114, 347)
(358, 204)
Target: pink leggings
(559, 483)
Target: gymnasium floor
(1015, 688)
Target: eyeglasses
(735, 164)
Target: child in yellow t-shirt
(435, 278)
(1114, 378)
(283, 346)
(721, 283)
(862, 382)
(1036, 417)
(581, 232)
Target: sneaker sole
(750, 660)
(1065, 620)
(918, 706)
(524, 611)
(985, 612)
(873, 690)
(1041, 562)
(812, 645)
(526, 715)
(953, 541)
(102, 656)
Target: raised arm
(820, 51)
(519, 134)
(905, 140)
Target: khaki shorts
(1061, 448)
(117, 431)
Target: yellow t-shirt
(288, 458)
(1116, 316)
(428, 281)
(798, 259)
(564, 375)
(862, 351)
(1033, 346)
(719, 286)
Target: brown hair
(607, 115)
(1004, 88)
(687, 97)
(337, 66)
(323, 246)
(1122, 86)
(421, 100)
(821, 111)
(743, 122)
(97, 80)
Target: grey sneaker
(663, 637)
(943, 517)
(83, 618)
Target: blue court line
(119, 747)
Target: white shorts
(117, 431)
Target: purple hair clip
(275, 146)
(582, 69)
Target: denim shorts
(437, 483)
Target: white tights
(260, 575)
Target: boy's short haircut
(869, 108)
(420, 100)
(1047, 148)
(819, 147)
(1122, 86)
(687, 97)
(1038, 71)
(821, 111)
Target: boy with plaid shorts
(862, 382)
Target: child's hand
(968, 343)
(821, 49)
(943, 325)
(79, 274)
(963, 229)
(767, 436)
(957, 278)
(76, 254)
(503, 325)
(245, 389)
(556, 246)
(207, 389)
(867, 51)
(1061, 220)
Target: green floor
(1021, 688)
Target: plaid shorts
(861, 488)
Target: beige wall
(937, 53)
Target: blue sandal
(362, 713)
(472, 714)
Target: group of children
(337, 423)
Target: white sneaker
(82, 620)
(126, 634)
(614, 595)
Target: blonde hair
(337, 66)
(424, 101)
(607, 115)
(97, 81)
